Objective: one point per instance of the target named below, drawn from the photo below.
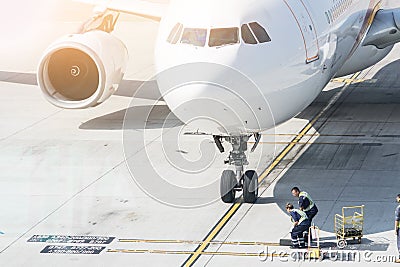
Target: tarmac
(76, 182)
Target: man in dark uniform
(397, 225)
(300, 224)
(306, 204)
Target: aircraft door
(306, 26)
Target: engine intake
(82, 70)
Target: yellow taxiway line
(186, 252)
(172, 241)
(323, 135)
(318, 143)
(232, 210)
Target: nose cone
(213, 98)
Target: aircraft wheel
(250, 186)
(227, 185)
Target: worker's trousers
(297, 233)
(311, 213)
(398, 241)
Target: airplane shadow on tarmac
(158, 116)
(144, 117)
(356, 158)
(140, 117)
(127, 88)
(18, 77)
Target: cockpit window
(247, 35)
(194, 36)
(251, 33)
(260, 32)
(223, 36)
(175, 33)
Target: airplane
(234, 68)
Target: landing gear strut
(239, 180)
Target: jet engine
(82, 70)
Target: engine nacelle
(82, 70)
(379, 41)
(385, 30)
(363, 57)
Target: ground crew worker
(300, 224)
(397, 225)
(306, 204)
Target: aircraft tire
(227, 186)
(250, 186)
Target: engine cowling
(82, 70)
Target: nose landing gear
(232, 182)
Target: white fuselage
(311, 41)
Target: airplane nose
(213, 98)
(208, 107)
